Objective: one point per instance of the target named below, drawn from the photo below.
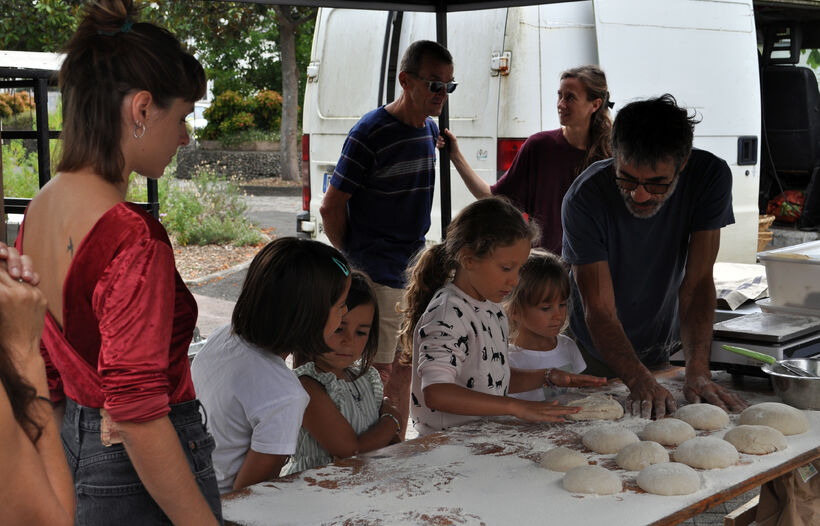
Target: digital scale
(782, 336)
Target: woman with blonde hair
(549, 161)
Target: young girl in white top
(293, 299)
(347, 414)
(455, 329)
(538, 314)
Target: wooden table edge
(738, 489)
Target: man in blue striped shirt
(377, 207)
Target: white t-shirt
(565, 356)
(252, 400)
(457, 340)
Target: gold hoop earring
(139, 126)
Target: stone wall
(230, 163)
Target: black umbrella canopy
(430, 6)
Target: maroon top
(537, 180)
(128, 320)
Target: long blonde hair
(480, 227)
(543, 277)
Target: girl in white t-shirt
(456, 332)
(292, 301)
(538, 314)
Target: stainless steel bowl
(799, 392)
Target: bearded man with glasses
(641, 233)
(377, 206)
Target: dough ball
(756, 440)
(671, 478)
(608, 439)
(638, 455)
(706, 453)
(668, 431)
(597, 407)
(703, 416)
(592, 479)
(785, 418)
(562, 459)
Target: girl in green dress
(347, 413)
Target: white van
(508, 62)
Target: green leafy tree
(38, 25)
(245, 47)
(813, 58)
(248, 48)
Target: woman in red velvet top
(119, 317)
(548, 162)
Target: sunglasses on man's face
(435, 86)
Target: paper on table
(737, 283)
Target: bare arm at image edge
(601, 316)
(334, 215)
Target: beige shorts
(389, 321)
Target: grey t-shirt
(646, 257)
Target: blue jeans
(109, 491)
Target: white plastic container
(793, 274)
(766, 305)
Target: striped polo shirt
(388, 168)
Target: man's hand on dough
(700, 388)
(647, 398)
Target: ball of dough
(562, 459)
(592, 479)
(668, 431)
(636, 456)
(756, 440)
(785, 418)
(597, 407)
(608, 439)
(671, 478)
(703, 416)
(706, 453)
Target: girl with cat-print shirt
(455, 330)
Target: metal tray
(767, 327)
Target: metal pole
(444, 122)
(153, 198)
(2, 192)
(41, 113)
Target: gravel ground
(274, 213)
(194, 261)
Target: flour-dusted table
(487, 472)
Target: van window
(351, 58)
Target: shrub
(210, 210)
(19, 170)
(238, 122)
(224, 106)
(14, 103)
(268, 114)
(5, 109)
(230, 114)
